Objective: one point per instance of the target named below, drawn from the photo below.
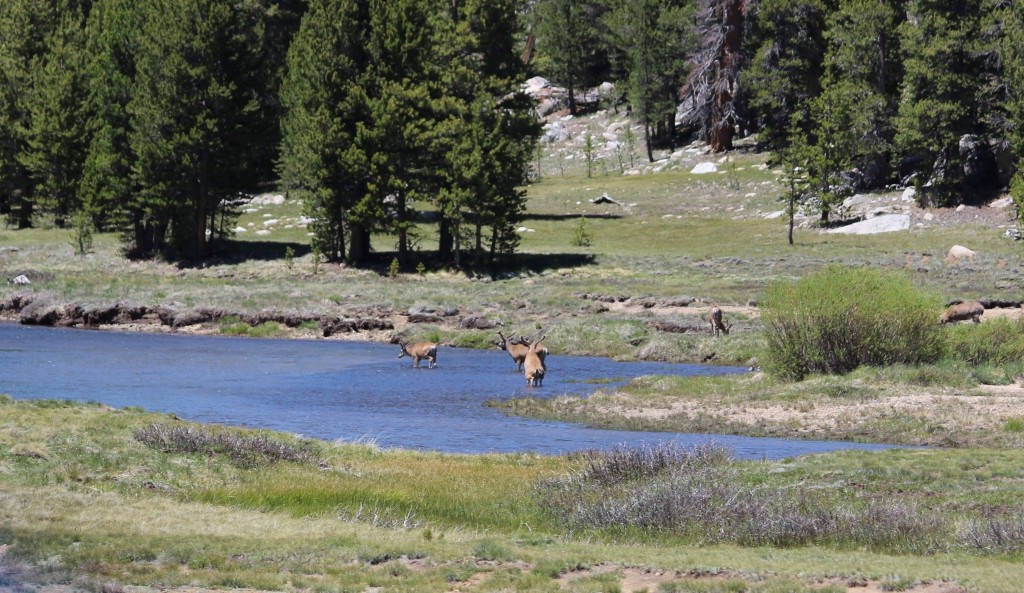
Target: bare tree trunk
(714, 81)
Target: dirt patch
(637, 580)
(989, 410)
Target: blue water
(337, 390)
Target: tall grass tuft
(698, 494)
(840, 318)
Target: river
(339, 390)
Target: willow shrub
(840, 318)
(998, 341)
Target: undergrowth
(243, 450)
(700, 495)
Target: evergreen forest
(155, 119)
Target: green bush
(840, 318)
(996, 342)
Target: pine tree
(106, 184)
(1011, 46)
(398, 137)
(786, 68)
(25, 26)
(863, 72)
(851, 120)
(324, 105)
(394, 104)
(567, 34)
(54, 146)
(939, 94)
(487, 133)
(1007, 119)
(194, 107)
(654, 38)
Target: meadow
(109, 500)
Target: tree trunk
(723, 112)
(444, 240)
(403, 230)
(359, 245)
(647, 141)
(792, 216)
(24, 212)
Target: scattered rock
(885, 223)
(1001, 203)
(605, 199)
(959, 252)
(703, 168)
(476, 322)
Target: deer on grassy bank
(420, 351)
(972, 310)
(533, 366)
(715, 319)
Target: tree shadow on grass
(571, 216)
(508, 267)
(233, 251)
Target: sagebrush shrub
(840, 318)
(699, 494)
(246, 450)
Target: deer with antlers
(533, 365)
(420, 351)
(518, 348)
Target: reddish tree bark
(714, 83)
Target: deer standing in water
(533, 366)
(542, 350)
(420, 351)
(516, 349)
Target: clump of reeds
(244, 450)
(698, 493)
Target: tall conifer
(194, 108)
(938, 102)
(55, 130)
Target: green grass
(101, 507)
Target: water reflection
(337, 390)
